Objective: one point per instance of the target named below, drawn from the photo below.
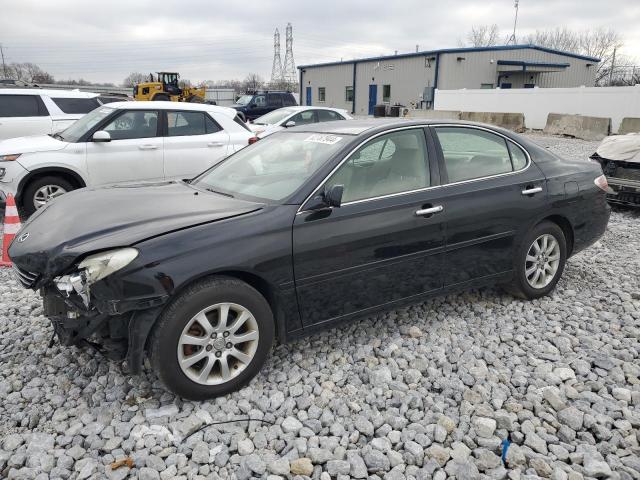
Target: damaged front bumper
(107, 315)
(623, 179)
(119, 336)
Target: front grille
(26, 278)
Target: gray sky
(219, 39)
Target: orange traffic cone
(11, 227)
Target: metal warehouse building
(411, 79)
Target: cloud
(229, 39)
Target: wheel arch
(74, 177)
(564, 223)
(263, 287)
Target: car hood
(621, 148)
(85, 221)
(35, 143)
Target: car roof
(49, 92)
(196, 107)
(358, 126)
(298, 108)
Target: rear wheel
(539, 261)
(42, 190)
(212, 339)
(195, 99)
(162, 97)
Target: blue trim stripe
(456, 50)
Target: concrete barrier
(435, 114)
(578, 126)
(508, 120)
(629, 125)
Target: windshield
(274, 117)
(77, 129)
(273, 168)
(244, 100)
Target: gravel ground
(429, 391)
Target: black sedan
(308, 227)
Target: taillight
(601, 183)
(253, 140)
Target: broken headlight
(101, 265)
(94, 268)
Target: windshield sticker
(323, 138)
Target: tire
(57, 186)
(181, 320)
(161, 97)
(529, 286)
(195, 99)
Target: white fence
(536, 103)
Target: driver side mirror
(290, 124)
(329, 197)
(101, 136)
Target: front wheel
(41, 191)
(539, 261)
(212, 339)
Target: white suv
(117, 143)
(32, 111)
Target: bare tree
(556, 38)
(483, 36)
(252, 82)
(134, 78)
(599, 43)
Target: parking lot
(427, 391)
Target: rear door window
(328, 116)
(180, 124)
(471, 153)
(274, 100)
(76, 105)
(22, 106)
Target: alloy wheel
(542, 261)
(46, 193)
(218, 343)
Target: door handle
(429, 211)
(531, 191)
(215, 144)
(148, 147)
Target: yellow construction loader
(165, 87)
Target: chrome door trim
(421, 126)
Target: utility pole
(613, 64)
(4, 66)
(512, 38)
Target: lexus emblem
(23, 237)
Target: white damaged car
(619, 156)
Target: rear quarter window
(76, 105)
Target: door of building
(373, 97)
